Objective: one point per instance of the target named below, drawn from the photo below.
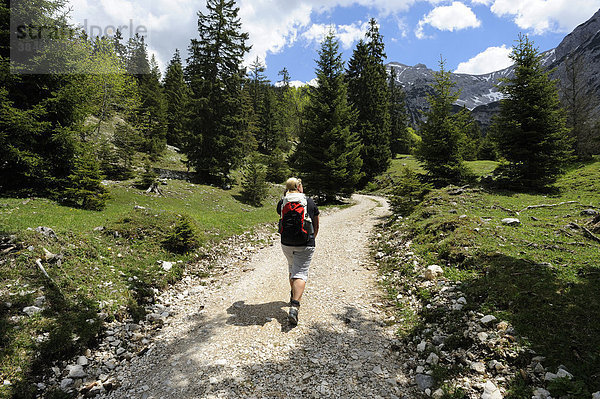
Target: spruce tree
(271, 134)
(84, 185)
(285, 78)
(150, 117)
(254, 186)
(177, 98)
(472, 134)
(120, 48)
(258, 83)
(530, 129)
(580, 105)
(289, 110)
(41, 116)
(328, 154)
(218, 122)
(442, 138)
(399, 133)
(368, 94)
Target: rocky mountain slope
(480, 94)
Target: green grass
(114, 271)
(172, 160)
(542, 276)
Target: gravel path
(236, 342)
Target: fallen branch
(506, 209)
(550, 205)
(38, 262)
(586, 232)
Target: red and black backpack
(294, 224)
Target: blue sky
(473, 36)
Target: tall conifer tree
(530, 130)
(399, 134)
(580, 107)
(177, 97)
(328, 154)
(219, 134)
(368, 94)
(440, 149)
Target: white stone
(549, 376)
(478, 367)
(39, 301)
(541, 393)
(433, 272)
(483, 336)
(82, 361)
(596, 395)
(462, 300)
(487, 319)
(424, 381)
(377, 370)
(433, 359)
(421, 346)
(221, 362)
(31, 310)
(66, 383)
(491, 391)
(511, 221)
(562, 373)
(76, 371)
(438, 394)
(167, 266)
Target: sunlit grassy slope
(542, 275)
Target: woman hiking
(298, 226)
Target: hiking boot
(293, 316)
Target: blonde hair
(292, 184)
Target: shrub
(408, 192)
(254, 186)
(185, 236)
(84, 184)
(148, 178)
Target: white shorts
(298, 260)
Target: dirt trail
(240, 345)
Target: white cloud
(456, 16)
(275, 24)
(346, 34)
(272, 25)
(490, 60)
(169, 24)
(542, 16)
(482, 2)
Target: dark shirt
(312, 211)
